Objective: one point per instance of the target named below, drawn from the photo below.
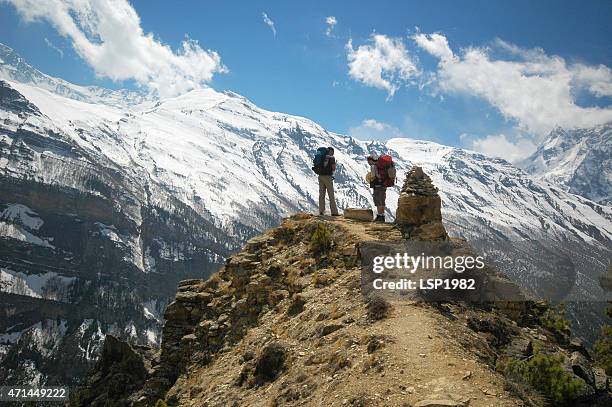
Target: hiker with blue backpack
(324, 167)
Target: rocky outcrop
(284, 324)
(120, 371)
(419, 208)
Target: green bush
(603, 347)
(555, 320)
(545, 374)
(321, 238)
(161, 403)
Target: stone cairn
(418, 210)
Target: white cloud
(53, 47)
(108, 36)
(500, 146)
(371, 129)
(436, 44)
(531, 87)
(331, 23)
(383, 64)
(597, 80)
(269, 23)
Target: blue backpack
(319, 160)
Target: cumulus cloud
(269, 23)
(512, 149)
(384, 63)
(53, 47)
(331, 23)
(108, 36)
(371, 129)
(536, 90)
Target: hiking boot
(380, 218)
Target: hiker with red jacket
(324, 167)
(381, 176)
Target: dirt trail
(423, 351)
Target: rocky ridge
(283, 323)
(577, 160)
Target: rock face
(359, 214)
(419, 208)
(87, 247)
(120, 371)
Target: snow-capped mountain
(104, 206)
(578, 160)
(14, 67)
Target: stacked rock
(419, 183)
(418, 210)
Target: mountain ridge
(133, 200)
(578, 160)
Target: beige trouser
(326, 184)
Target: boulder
(601, 379)
(582, 367)
(362, 214)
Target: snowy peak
(577, 160)
(14, 68)
(171, 187)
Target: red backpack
(386, 170)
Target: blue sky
(304, 69)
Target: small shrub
(375, 343)
(321, 278)
(378, 308)
(373, 362)
(338, 361)
(320, 240)
(270, 363)
(555, 320)
(603, 350)
(603, 347)
(161, 403)
(545, 374)
(284, 233)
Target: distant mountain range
(109, 198)
(578, 160)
